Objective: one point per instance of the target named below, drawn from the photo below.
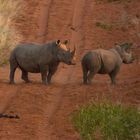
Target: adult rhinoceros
(106, 62)
(42, 59)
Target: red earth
(45, 111)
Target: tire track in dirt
(75, 95)
(56, 97)
(43, 20)
(7, 92)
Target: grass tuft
(104, 26)
(107, 122)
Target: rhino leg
(13, 66)
(113, 75)
(52, 70)
(43, 70)
(92, 72)
(24, 76)
(90, 76)
(85, 72)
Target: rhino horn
(73, 52)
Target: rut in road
(64, 76)
(36, 104)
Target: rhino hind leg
(43, 70)
(85, 75)
(13, 67)
(90, 76)
(24, 76)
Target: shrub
(9, 9)
(107, 122)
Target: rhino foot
(11, 82)
(44, 83)
(28, 81)
(87, 83)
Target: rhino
(103, 61)
(42, 59)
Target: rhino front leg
(24, 76)
(52, 70)
(113, 75)
(43, 70)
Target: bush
(9, 9)
(107, 122)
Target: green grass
(107, 122)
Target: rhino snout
(129, 61)
(71, 63)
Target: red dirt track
(45, 111)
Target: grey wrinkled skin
(105, 62)
(42, 59)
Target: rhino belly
(29, 66)
(102, 71)
(106, 68)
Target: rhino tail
(84, 66)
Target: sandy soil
(45, 111)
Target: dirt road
(45, 111)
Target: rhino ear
(57, 42)
(66, 42)
(126, 46)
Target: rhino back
(30, 56)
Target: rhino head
(125, 52)
(64, 53)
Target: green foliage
(107, 122)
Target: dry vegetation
(9, 10)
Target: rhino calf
(106, 62)
(42, 59)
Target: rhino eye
(128, 51)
